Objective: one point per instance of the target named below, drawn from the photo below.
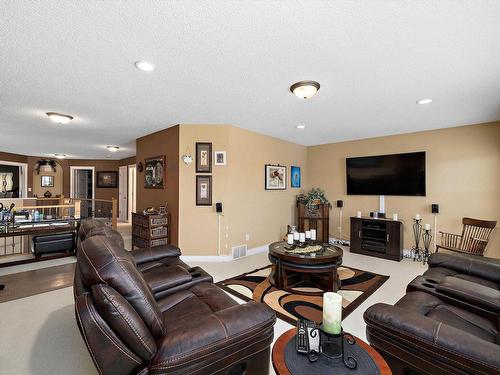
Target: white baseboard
(222, 258)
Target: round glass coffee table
(299, 272)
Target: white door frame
(71, 178)
(123, 192)
(23, 192)
(132, 195)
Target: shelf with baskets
(149, 230)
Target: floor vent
(239, 251)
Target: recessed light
(301, 126)
(113, 148)
(60, 156)
(424, 101)
(59, 117)
(144, 66)
(305, 89)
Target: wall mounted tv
(398, 174)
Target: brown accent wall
(15, 158)
(463, 177)
(164, 142)
(127, 161)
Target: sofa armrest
(214, 334)
(476, 294)
(483, 267)
(427, 337)
(151, 254)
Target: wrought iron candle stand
(417, 232)
(426, 238)
(333, 346)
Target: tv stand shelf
(382, 238)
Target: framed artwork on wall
(108, 179)
(47, 181)
(203, 190)
(203, 157)
(295, 177)
(154, 172)
(275, 177)
(220, 157)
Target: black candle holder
(417, 231)
(426, 238)
(332, 346)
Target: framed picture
(295, 177)
(275, 177)
(47, 181)
(107, 179)
(154, 172)
(220, 157)
(203, 157)
(203, 190)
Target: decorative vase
(47, 194)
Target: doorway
(82, 182)
(123, 194)
(132, 183)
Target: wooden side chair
(473, 240)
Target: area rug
(357, 286)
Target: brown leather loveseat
(196, 329)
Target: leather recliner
(198, 330)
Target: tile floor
(39, 335)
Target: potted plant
(313, 199)
(51, 163)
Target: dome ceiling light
(145, 66)
(59, 118)
(60, 156)
(113, 148)
(305, 89)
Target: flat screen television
(397, 174)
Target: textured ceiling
(232, 62)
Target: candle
(295, 236)
(417, 217)
(313, 234)
(332, 313)
(395, 217)
(302, 237)
(290, 239)
(308, 234)
(358, 214)
(427, 227)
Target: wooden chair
(473, 240)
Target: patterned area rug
(356, 286)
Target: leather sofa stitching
(109, 337)
(222, 324)
(258, 329)
(82, 250)
(165, 364)
(129, 323)
(436, 333)
(418, 338)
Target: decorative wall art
(203, 157)
(220, 157)
(154, 172)
(47, 181)
(275, 178)
(295, 177)
(107, 179)
(203, 190)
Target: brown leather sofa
(447, 323)
(196, 329)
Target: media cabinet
(381, 238)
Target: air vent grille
(239, 251)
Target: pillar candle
(302, 237)
(427, 227)
(332, 313)
(395, 217)
(417, 217)
(358, 214)
(290, 239)
(308, 234)
(295, 236)
(313, 234)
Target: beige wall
(58, 175)
(248, 207)
(463, 177)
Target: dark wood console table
(314, 219)
(382, 238)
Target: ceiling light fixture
(59, 118)
(60, 156)
(424, 101)
(113, 148)
(305, 89)
(301, 126)
(144, 66)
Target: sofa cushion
(102, 261)
(473, 265)
(161, 278)
(124, 320)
